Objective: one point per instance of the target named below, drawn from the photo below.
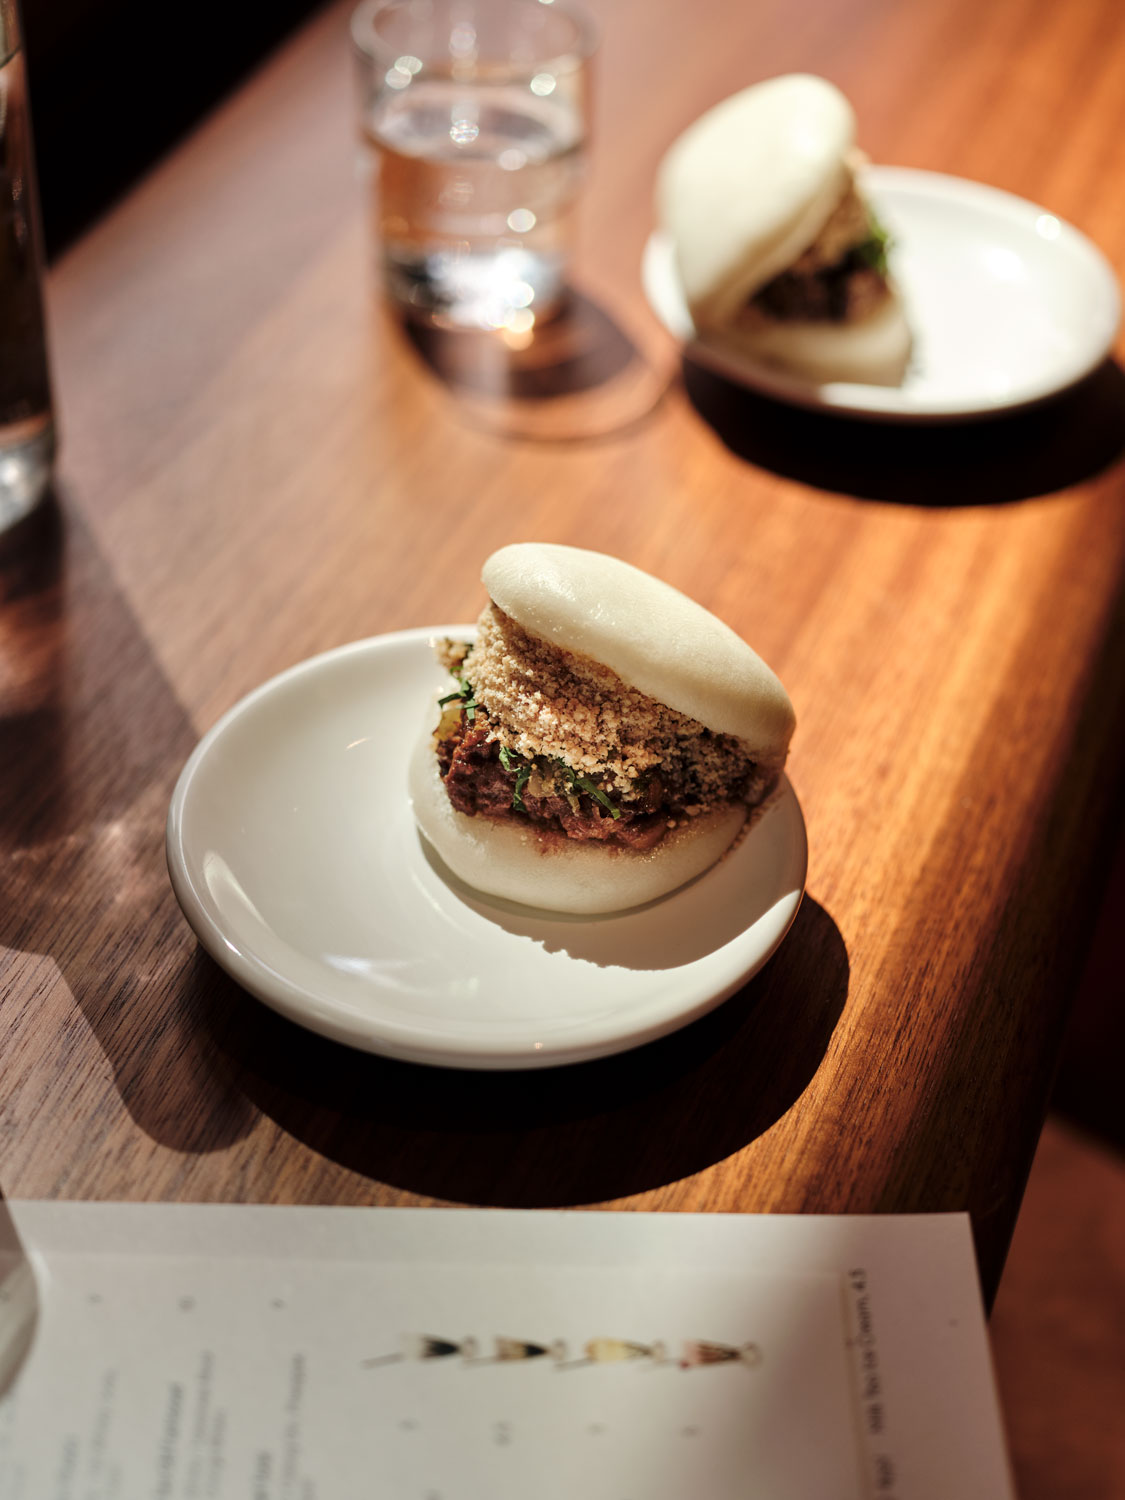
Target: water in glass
(476, 196)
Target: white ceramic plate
(1008, 304)
(293, 852)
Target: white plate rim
(881, 403)
(315, 1013)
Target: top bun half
(654, 638)
(749, 186)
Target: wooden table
(258, 466)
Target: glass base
(25, 472)
(507, 288)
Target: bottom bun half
(553, 872)
(871, 351)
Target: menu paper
(190, 1352)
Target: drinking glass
(477, 112)
(27, 434)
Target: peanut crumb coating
(544, 701)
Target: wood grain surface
(258, 465)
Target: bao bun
(742, 194)
(658, 642)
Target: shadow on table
(577, 376)
(992, 461)
(85, 782)
(1088, 1084)
(83, 884)
(552, 1137)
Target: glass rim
(367, 44)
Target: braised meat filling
(551, 796)
(841, 277)
(541, 736)
(840, 293)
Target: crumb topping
(542, 701)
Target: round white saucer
(293, 853)
(1008, 304)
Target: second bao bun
(659, 643)
(743, 194)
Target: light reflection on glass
(463, 132)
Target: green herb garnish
(523, 776)
(467, 698)
(598, 795)
(523, 770)
(584, 784)
(873, 251)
